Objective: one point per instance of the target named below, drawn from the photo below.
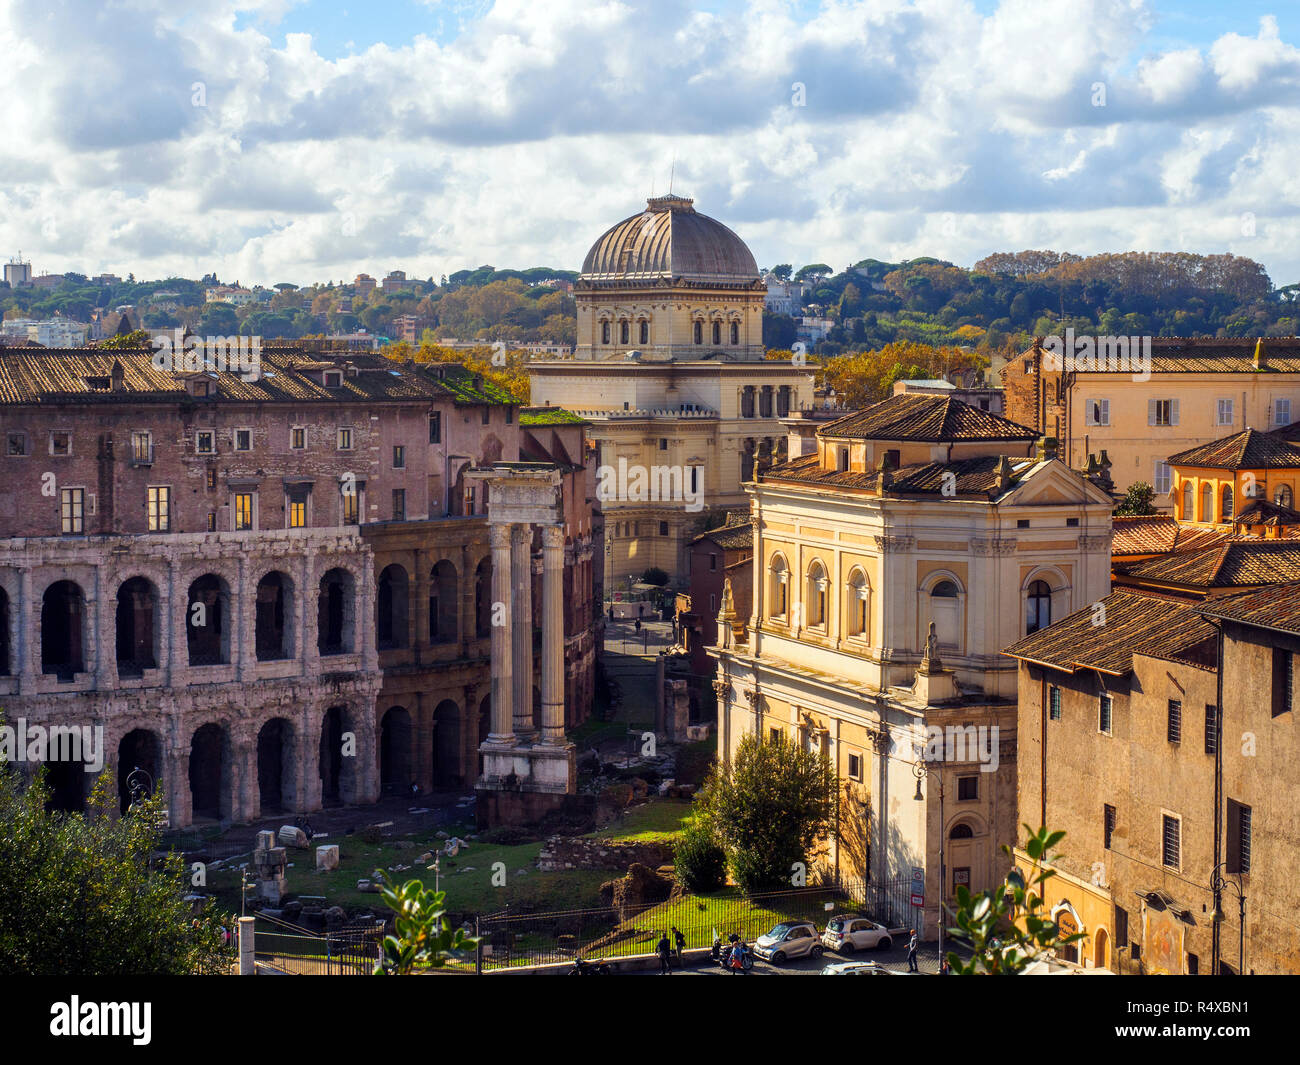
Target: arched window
(1207, 502)
(735, 332)
(699, 332)
(1189, 502)
(1038, 607)
(623, 331)
(644, 329)
(1282, 497)
(961, 831)
(604, 332)
(945, 612)
(857, 604)
(1225, 514)
(717, 332)
(815, 598)
(777, 588)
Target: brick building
(228, 572)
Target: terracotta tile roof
(1248, 450)
(975, 477)
(1234, 562)
(920, 417)
(1274, 607)
(52, 375)
(1262, 512)
(1158, 534)
(730, 537)
(1135, 623)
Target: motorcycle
(588, 968)
(722, 955)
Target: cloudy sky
(273, 140)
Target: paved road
(894, 960)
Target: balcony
(142, 456)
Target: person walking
(911, 953)
(738, 949)
(680, 941)
(665, 951)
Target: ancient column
(520, 608)
(552, 635)
(502, 675)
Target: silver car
(789, 939)
(847, 932)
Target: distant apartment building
(989, 399)
(411, 327)
(235, 295)
(813, 330)
(49, 332)
(17, 272)
(1199, 389)
(364, 284)
(784, 297)
(48, 282)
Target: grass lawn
(659, 820)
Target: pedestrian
(681, 944)
(638, 624)
(665, 951)
(944, 968)
(738, 957)
(911, 953)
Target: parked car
(847, 932)
(856, 968)
(789, 939)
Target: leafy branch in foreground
(422, 938)
(1009, 927)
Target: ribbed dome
(669, 239)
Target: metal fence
(509, 940)
(349, 953)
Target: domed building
(669, 372)
(670, 283)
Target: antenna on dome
(672, 171)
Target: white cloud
(922, 127)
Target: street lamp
(1217, 884)
(921, 770)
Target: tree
(699, 862)
(768, 808)
(1006, 937)
(82, 893)
(1137, 500)
(782, 271)
(813, 271)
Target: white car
(848, 932)
(789, 939)
(856, 968)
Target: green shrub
(699, 861)
(654, 575)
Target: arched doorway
(63, 619)
(338, 757)
(139, 753)
(275, 764)
(446, 745)
(1101, 949)
(207, 628)
(68, 784)
(272, 627)
(390, 620)
(136, 619)
(336, 613)
(443, 599)
(210, 773)
(395, 736)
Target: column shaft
(553, 635)
(502, 675)
(520, 609)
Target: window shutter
(1173, 412)
(1105, 412)
(1151, 412)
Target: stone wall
(564, 852)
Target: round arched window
(1038, 607)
